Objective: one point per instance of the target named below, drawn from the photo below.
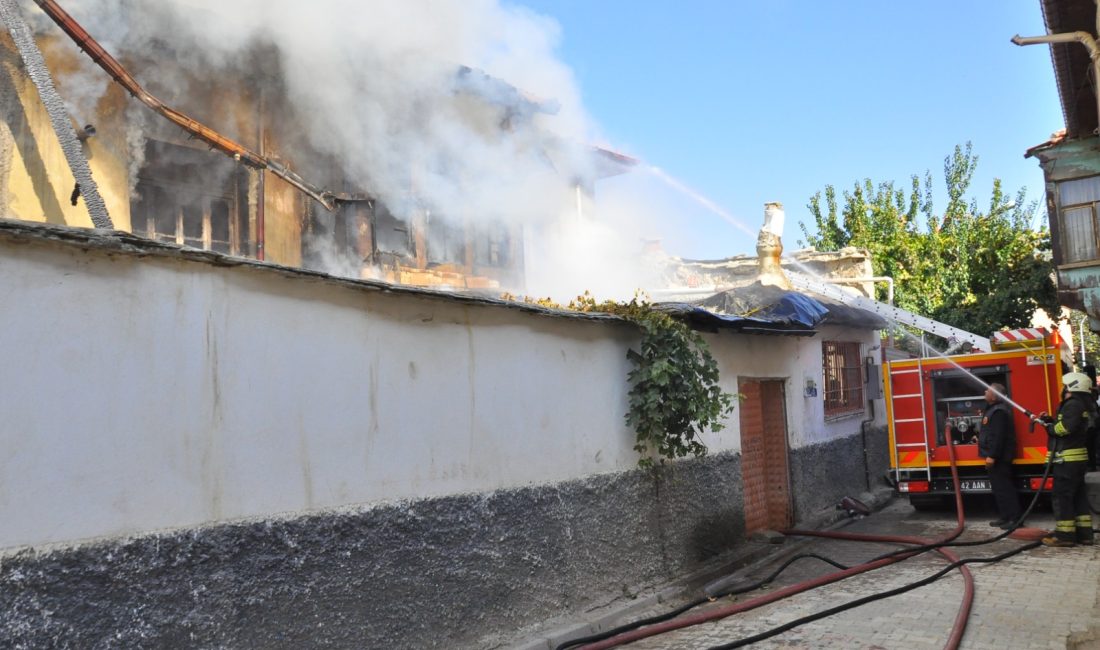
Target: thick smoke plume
(378, 86)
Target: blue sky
(749, 102)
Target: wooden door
(764, 468)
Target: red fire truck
(929, 399)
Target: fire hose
(198, 130)
(957, 631)
(626, 633)
(736, 608)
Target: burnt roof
(1072, 68)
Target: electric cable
(873, 597)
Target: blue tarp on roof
(765, 309)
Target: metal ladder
(889, 312)
(919, 371)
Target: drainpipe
(1084, 38)
(261, 185)
(1081, 327)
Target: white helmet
(1077, 382)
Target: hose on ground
(873, 597)
(660, 618)
(735, 608)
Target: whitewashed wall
(793, 359)
(153, 392)
(147, 393)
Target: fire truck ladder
(900, 446)
(900, 316)
(889, 312)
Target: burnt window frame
(493, 245)
(380, 222)
(157, 188)
(446, 240)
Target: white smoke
(135, 144)
(409, 97)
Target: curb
(745, 561)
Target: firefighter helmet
(1077, 382)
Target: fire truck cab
(933, 402)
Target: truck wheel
(926, 503)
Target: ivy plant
(674, 390)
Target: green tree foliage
(978, 269)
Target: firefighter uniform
(1073, 521)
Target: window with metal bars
(843, 378)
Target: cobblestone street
(1041, 598)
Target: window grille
(843, 378)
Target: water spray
(716, 209)
(699, 198)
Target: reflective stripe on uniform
(1065, 526)
(1084, 521)
(1077, 454)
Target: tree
(977, 270)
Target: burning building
(209, 450)
(381, 158)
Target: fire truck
(939, 395)
(935, 401)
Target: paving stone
(1034, 600)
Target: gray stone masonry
(1042, 598)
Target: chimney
(769, 247)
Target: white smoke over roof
(379, 87)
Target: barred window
(843, 378)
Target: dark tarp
(767, 309)
(708, 321)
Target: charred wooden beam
(229, 147)
(36, 68)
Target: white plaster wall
(146, 393)
(149, 393)
(793, 359)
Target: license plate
(973, 485)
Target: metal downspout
(36, 68)
(1084, 38)
(261, 184)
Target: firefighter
(997, 445)
(1094, 434)
(1068, 433)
